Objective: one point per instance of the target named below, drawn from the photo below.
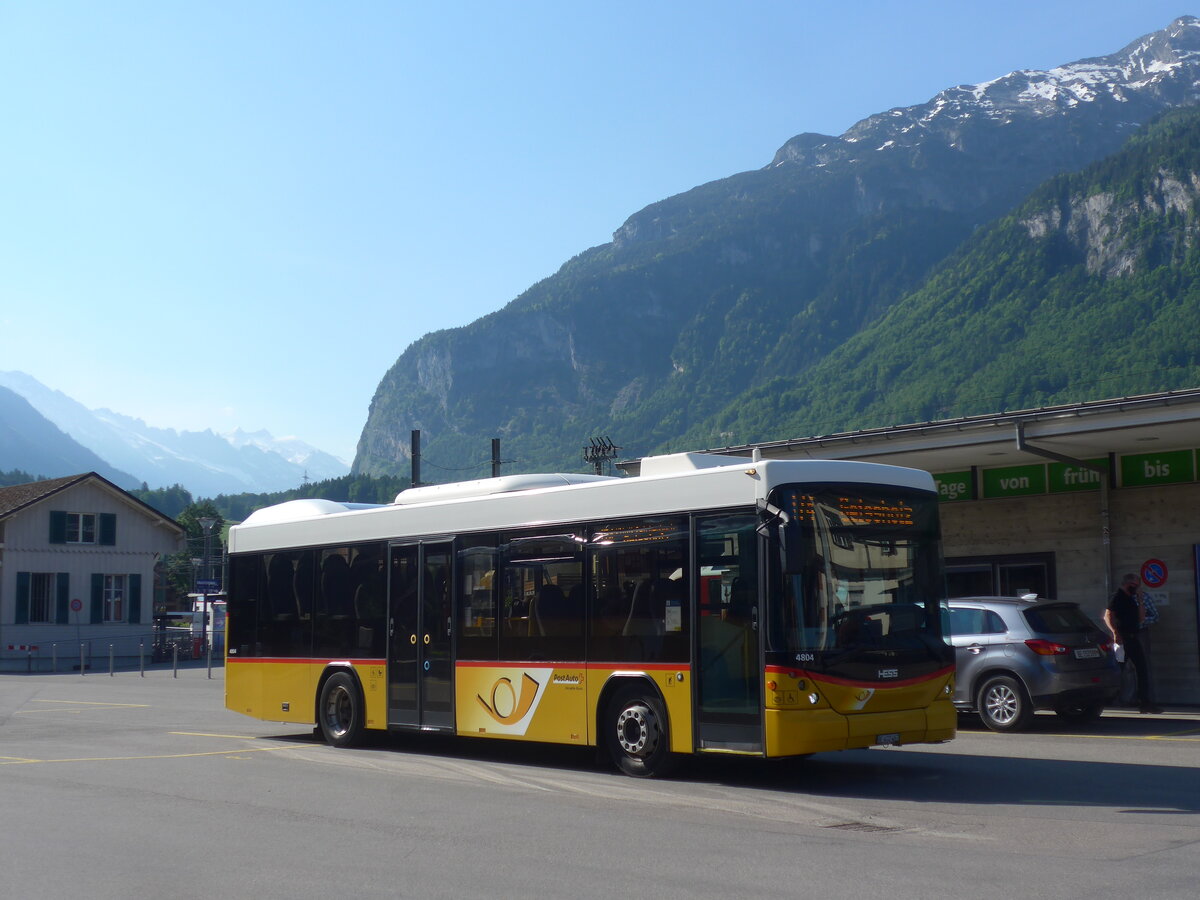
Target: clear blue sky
(220, 214)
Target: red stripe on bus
(305, 660)
(566, 664)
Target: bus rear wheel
(340, 711)
(637, 734)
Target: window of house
(81, 528)
(114, 598)
(41, 597)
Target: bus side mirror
(778, 524)
(790, 548)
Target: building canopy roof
(1083, 431)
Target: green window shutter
(97, 599)
(108, 529)
(62, 606)
(135, 598)
(58, 526)
(22, 599)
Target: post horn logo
(506, 707)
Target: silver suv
(1018, 654)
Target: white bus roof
(669, 484)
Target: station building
(1062, 501)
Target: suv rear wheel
(1003, 705)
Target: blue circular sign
(1154, 573)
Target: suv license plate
(1087, 653)
(887, 740)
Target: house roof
(22, 496)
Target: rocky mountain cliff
(755, 279)
(1091, 284)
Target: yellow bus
(710, 605)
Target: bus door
(420, 664)
(728, 684)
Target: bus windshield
(863, 569)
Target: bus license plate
(1087, 653)
(887, 740)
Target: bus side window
(478, 592)
(368, 584)
(640, 589)
(542, 610)
(247, 582)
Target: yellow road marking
(236, 737)
(38, 712)
(1177, 736)
(95, 703)
(17, 761)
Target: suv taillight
(1042, 647)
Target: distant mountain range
(70, 438)
(712, 315)
(32, 443)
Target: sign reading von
(1154, 573)
(1017, 481)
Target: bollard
(210, 658)
(142, 657)
(175, 661)
(81, 666)
(54, 658)
(110, 660)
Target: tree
(182, 568)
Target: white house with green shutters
(77, 559)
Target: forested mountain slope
(740, 287)
(1090, 289)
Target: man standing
(1124, 618)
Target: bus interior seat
(304, 584)
(280, 599)
(336, 600)
(547, 611)
(647, 611)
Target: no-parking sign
(1154, 573)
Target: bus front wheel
(637, 734)
(340, 710)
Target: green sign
(1015, 481)
(955, 486)
(1065, 478)
(1158, 468)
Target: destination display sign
(857, 511)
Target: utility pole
(598, 451)
(416, 457)
(207, 523)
